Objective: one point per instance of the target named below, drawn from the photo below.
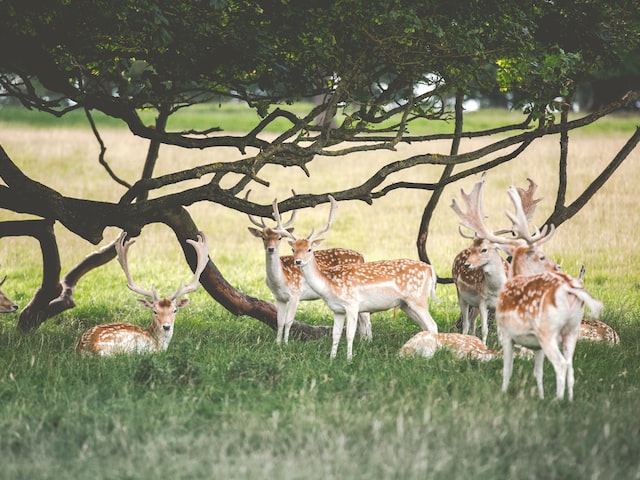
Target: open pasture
(225, 402)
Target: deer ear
(317, 242)
(255, 232)
(145, 302)
(182, 302)
(290, 230)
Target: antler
(122, 249)
(524, 204)
(332, 217)
(526, 197)
(520, 221)
(202, 251)
(261, 223)
(473, 217)
(280, 228)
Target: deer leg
(538, 371)
(364, 326)
(465, 313)
(568, 347)
(560, 364)
(484, 316)
(281, 318)
(420, 314)
(352, 322)
(507, 366)
(338, 324)
(290, 314)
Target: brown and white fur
(368, 287)
(286, 282)
(113, 338)
(479, 271)
(541, 312)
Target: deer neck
(494, 274)
(275, 274)
(315, 278)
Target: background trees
(375, 69)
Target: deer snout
(271, 249)
(166, 327)
(297, 262)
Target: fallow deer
(367, 287)
(596, 330)
(113, 338)
(479, 271)
(286, 281)
(6, 305)
(540, 312)
(425, 344)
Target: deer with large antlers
(367, 287)
(112, 338)
(286, 282)
(479, 271)
(540, 312)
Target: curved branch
(561, 213)
(222, 292)
(35, 312)
(103, 151)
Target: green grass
(237, 117)
(225, 402)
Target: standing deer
(112, 338)
(540, 312)
(6, 305)
(286, 281)
(479, 271)
(367, 287)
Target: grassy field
(225, 402)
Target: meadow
(226, 402)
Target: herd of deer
(536, 306)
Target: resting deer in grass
(112, 338)
(539, 311)
(6, 305)
(368, 287)
(425, 344)
(286, 281)
(479, 271)
(596, 330)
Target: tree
(377, 67)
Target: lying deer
(425, 344)
(286, 281)
(112, 338)
(6, 305)
(368, 287)
(479, 271)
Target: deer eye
(484, 250)
(542, 258)
(155, 312)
